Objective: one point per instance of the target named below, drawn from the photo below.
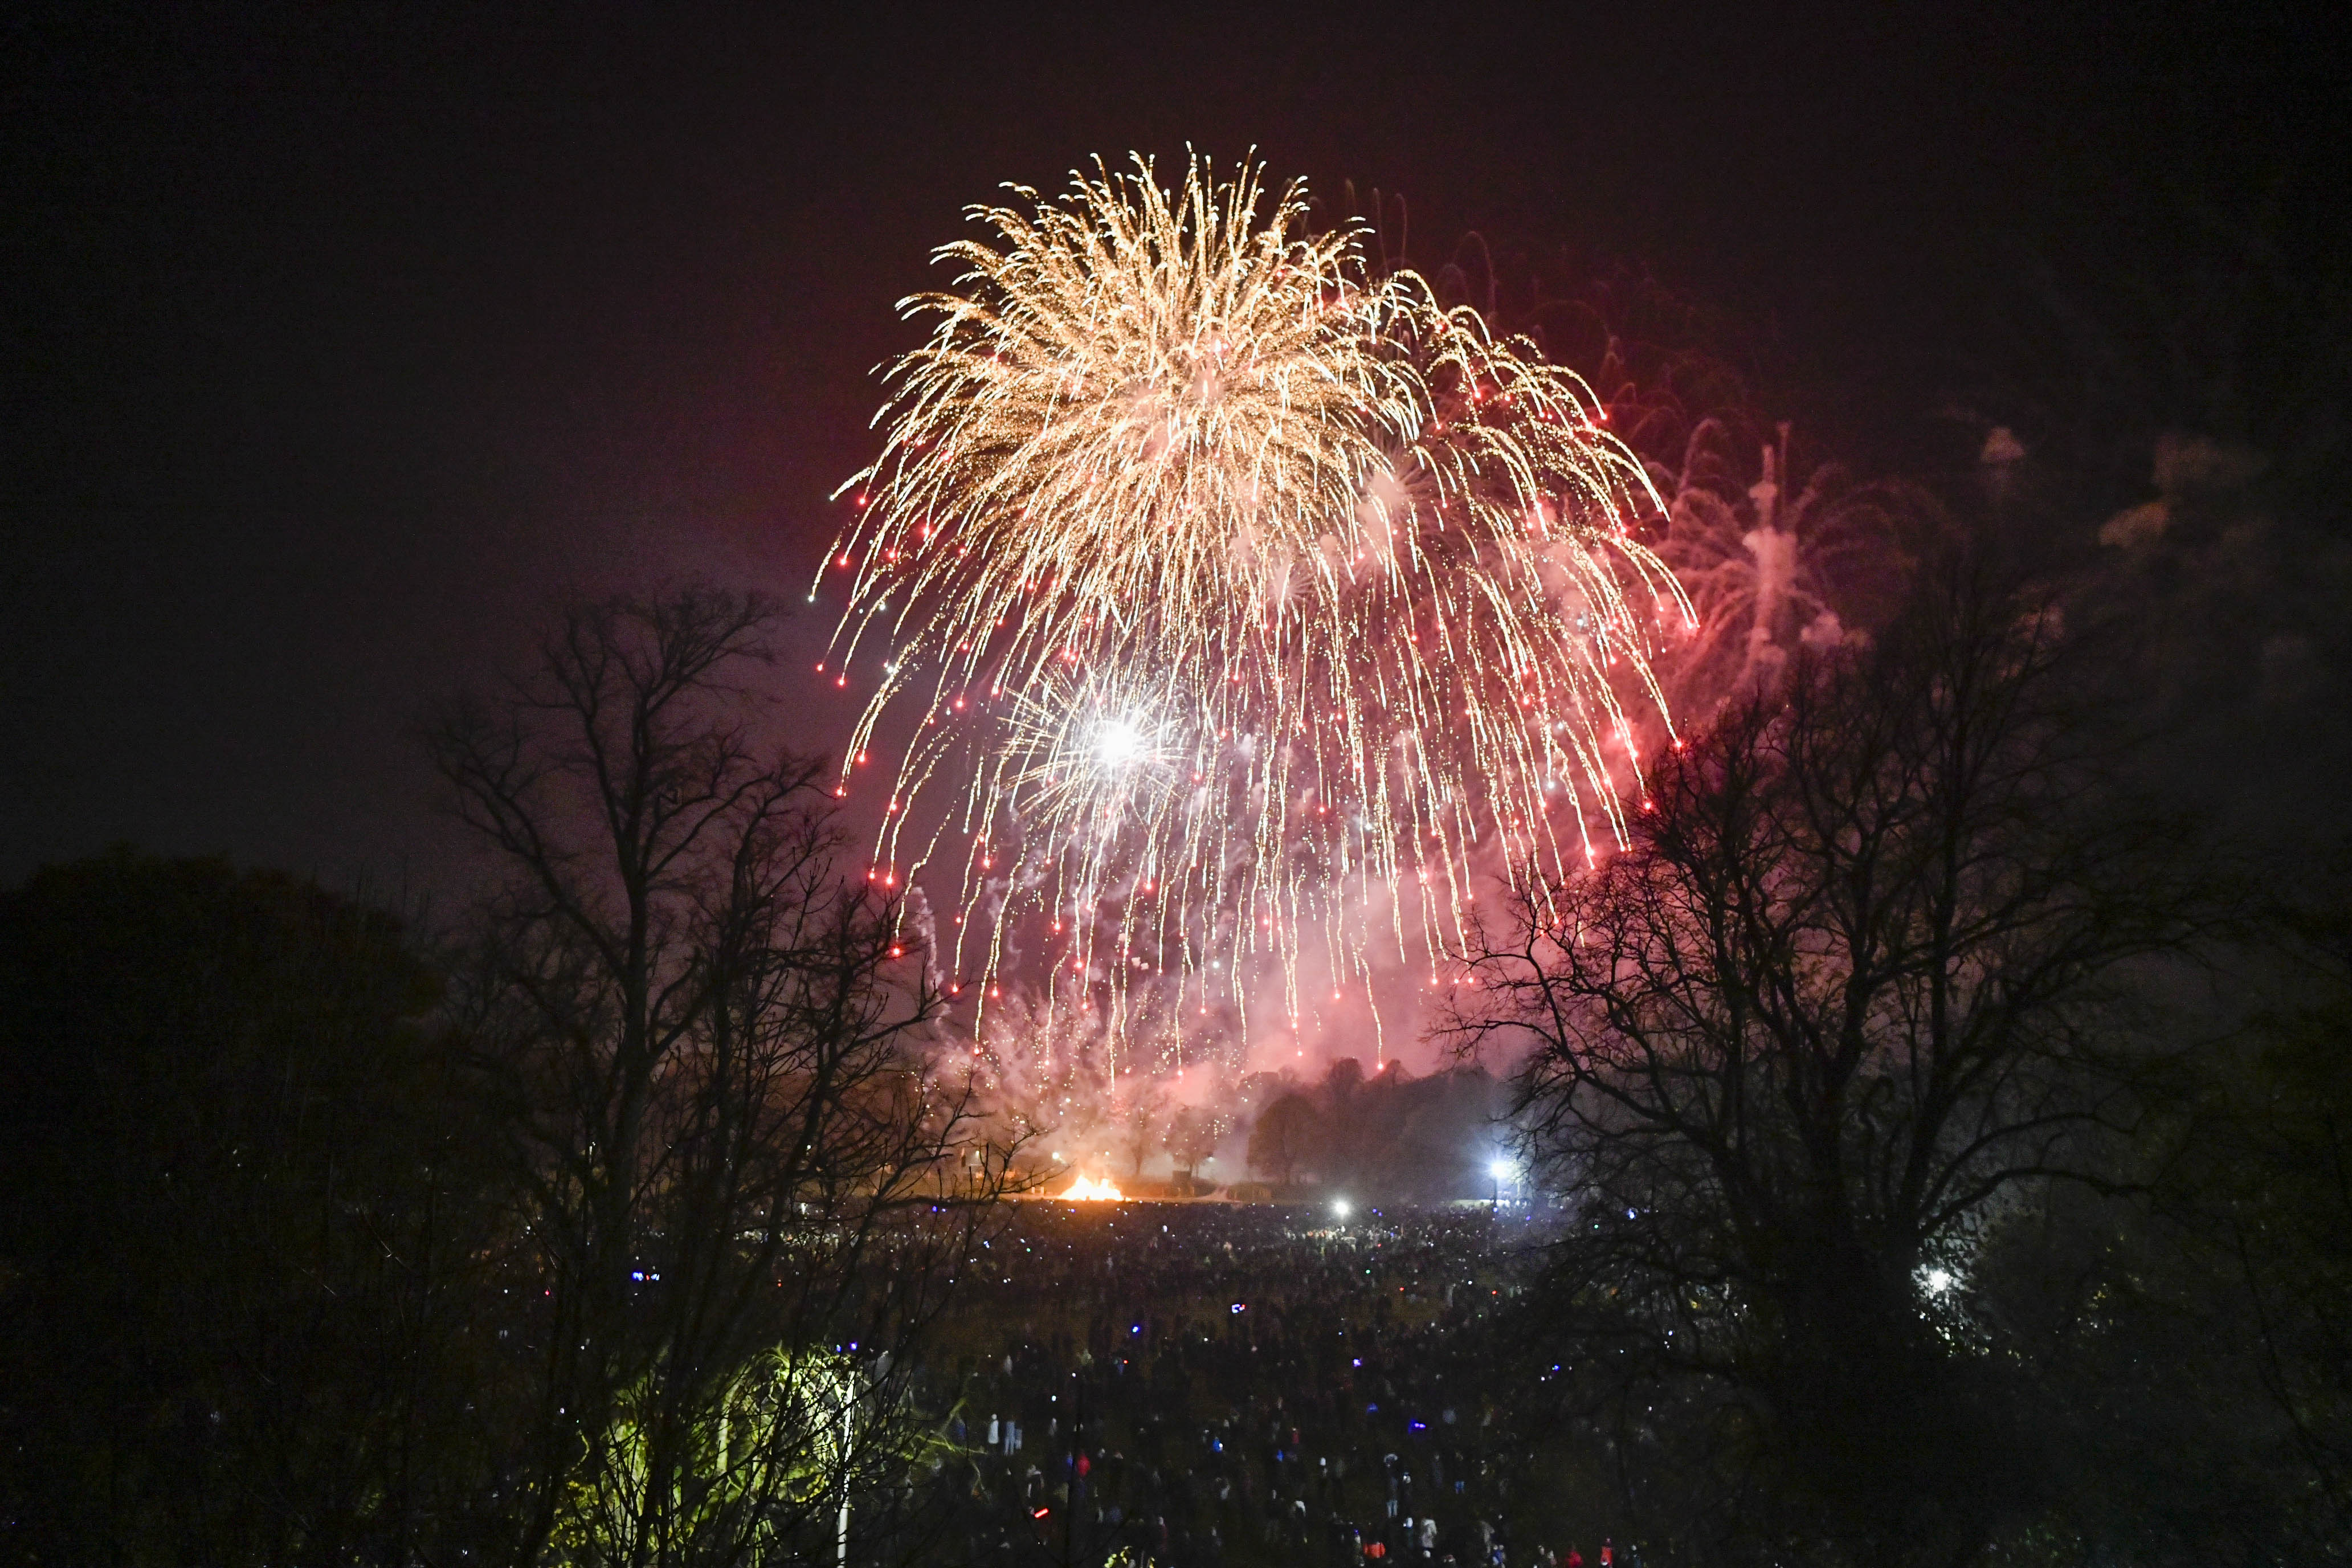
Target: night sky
(341, 341)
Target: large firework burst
(1250, 600)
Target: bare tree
(1283, 1137)
(1861, 978)
(1192, 1136)
(713, 1047)
(1142, 1116)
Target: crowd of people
(1203, 1385)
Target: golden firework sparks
(1242, 592)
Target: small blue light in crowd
(1136, 1330)
(1358, 1361)
(636, 1274)
(1239, 1308)
(1421, 1426)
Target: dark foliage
(247, 1206)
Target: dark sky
(340, 339)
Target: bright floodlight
(1500, 1169)
(1339, 1208)
(1118, 742)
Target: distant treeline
(1385, 1137)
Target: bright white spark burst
(1118, 742)
(1242, 592)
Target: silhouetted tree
(1284, 1137)
(731, 1135)
(1862, 978)
(1192, 1136)
(1140, 1116)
